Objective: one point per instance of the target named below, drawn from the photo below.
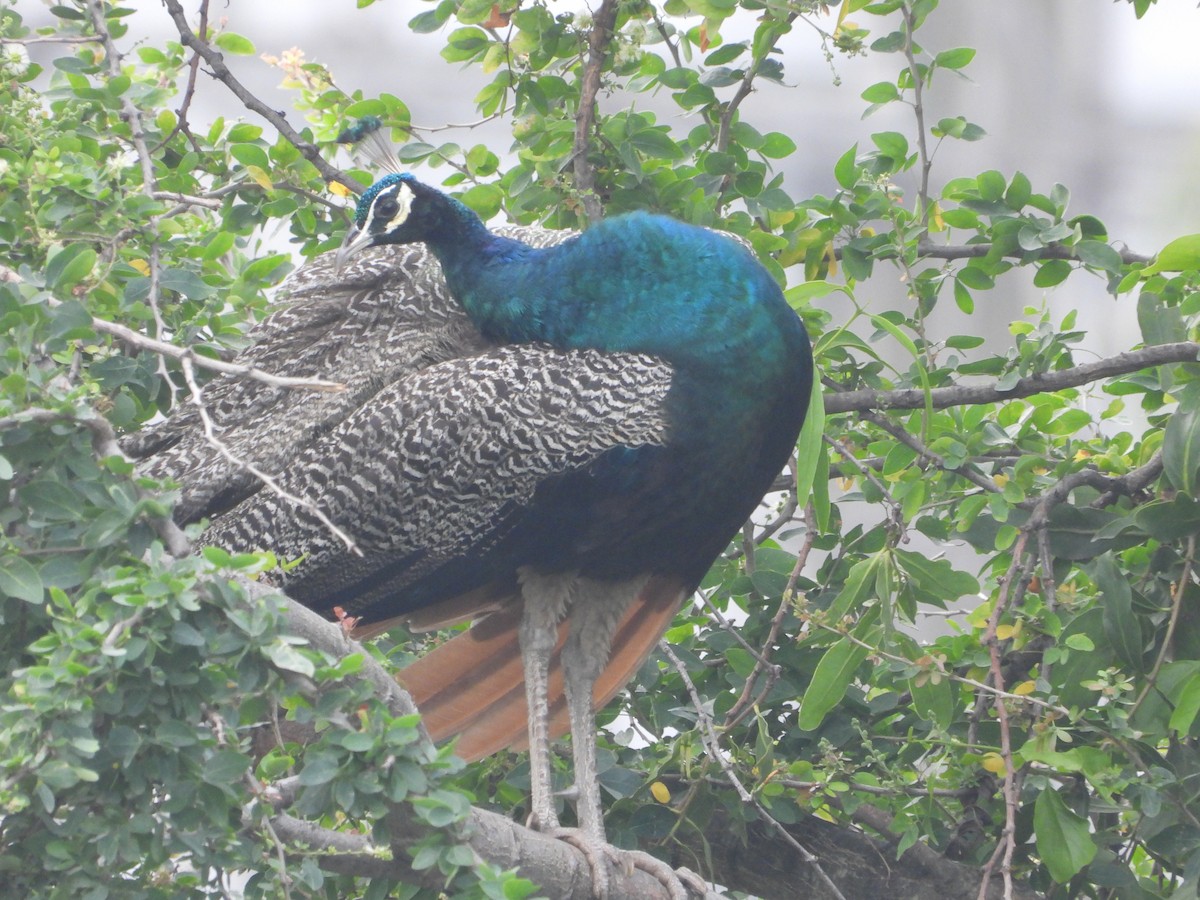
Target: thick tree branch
(1044, 382)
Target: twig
(187, 354)
(967, 471)
(216, 62)
(953, 676)
(73, 39)
(1015, 581)
(129, 112)
(661, 27)
(1129, 483)
(895, 510)
(603, 22)
(1185, 579)
(713, 745)
(744, 89)
(918, 105)
(137, 134)
(763, 659)
(189, 92)
(187, 199)
(268, 481)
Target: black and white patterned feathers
(453, 476)
(386, 314)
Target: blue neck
(637, 283)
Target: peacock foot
(680, 884)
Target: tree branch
(1043, 382)
(928, 248)
(216, 62)
(603, 23)
(162, 348)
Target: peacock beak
(356, 240)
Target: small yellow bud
(993, 762)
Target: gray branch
(1043, 382)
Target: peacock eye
(386, 207)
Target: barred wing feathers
(450, 478)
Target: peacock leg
(546, 598)
(594, 616)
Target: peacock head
(397, 209)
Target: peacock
(561, 466)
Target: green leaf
(857, 587)
(906, 342)
(1052, 272)
(485, 199)
(725, 54)
(1181, 445)
(243, 132)
(1099, 255)
(933, 699)
(829, 682)
(250, 155)
(69, 266)
(991, 185)
(1019, 191)
(1180, 255)
(1160, 323)
(811, 444)
(319, 768)
(225, 768)
(464, 44)
(936, 578)
(964, 341)
(1187, 704)
(1121, 627)
(235, 43)
(1063, 838)
(881, 92)
(954, 59)
(285, 656)
(20, 580)
(777, 145)
(891, 144)
(962, 298)
(846, 169)
(976, 278)
(426, 22)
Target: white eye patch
(402, 195)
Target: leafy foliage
(1051, 731)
